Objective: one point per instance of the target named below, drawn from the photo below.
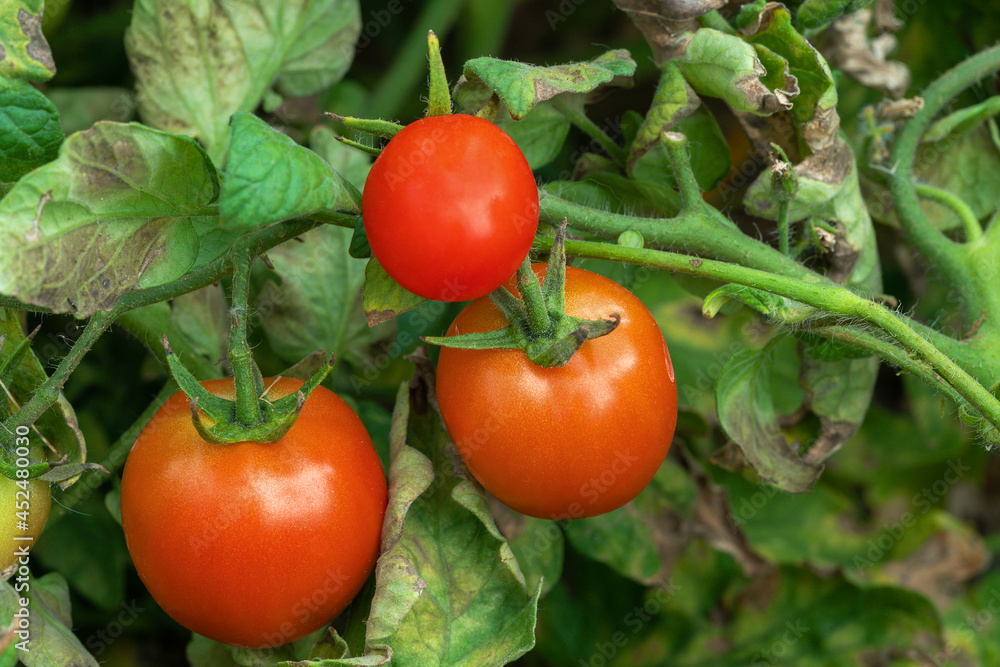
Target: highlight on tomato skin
(450, 207)
(569, 442)
(250, 544)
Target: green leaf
(351, 163)
(57, 425)
(746, 406)
(963, 120)
(89, 550)
(81, 107)
(51, 642)
(112, 213)
(540, 134)
(641, 540)
(270, 178)
(770, 305)
(383, 298)
(673, 101)
(202, 318)
(521, 86)
(538, 546)
(710, 159)
(24, 53)
(197, 63)
(30, 134)
(721, 65)
(448, 590)
(311, 302)
(816, 14)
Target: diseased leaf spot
(37, 48)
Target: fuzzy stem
(827, 297)
(249, 385)
(973, 230)
(531, 293)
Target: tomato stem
(249, 381)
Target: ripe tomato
(35, 501)
(450, 207)
(569, 442)
(254, 544)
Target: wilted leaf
(383, 298)
(115, 211)
(30, 134)
(865, 61)
(448, 590)
(521, 86)
(721, 65)
(52, 642)
(674, 100)
(664, 23)
(310, 303)
(198, 63)
(747, 412)
(58, 425)
(24, 53)
(815, 106)
(839, 393)
(538, 545)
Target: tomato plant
(450, 207)
(254, 544)
(27, 504)
(566, 442)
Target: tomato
(450, 207)
(34, 499)
(254, 544)
(569, 442)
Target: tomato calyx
(251, 417)
(537, 322)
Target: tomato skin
(254, 544)
(570, 442)
(450, 207)
(12, 497)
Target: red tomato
(570, 442)
(254, 544)
(450, 207)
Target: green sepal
(371, 150)
(439, 98)
(549, 341)
(277, 417)
(385, 129)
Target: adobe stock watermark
(922, 502)
(562, 13)
(634, 621)
(775, 652)
(98, 642)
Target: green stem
(578, 118)
(948, 256)
(676, 145)
(48, 392)
(113, 461)
(783, 227)
(864, 340)
(246, 375)
(973, 230)
(827, 297)
(396, 88)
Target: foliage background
(889, 561)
